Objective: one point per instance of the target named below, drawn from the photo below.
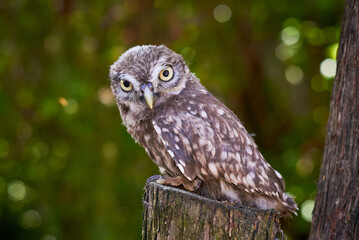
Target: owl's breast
(147, 137)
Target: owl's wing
(207, 140)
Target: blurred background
(68, 168)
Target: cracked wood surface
(172, 213)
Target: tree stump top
(173, 213)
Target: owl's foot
(180, 180)
(153, 178)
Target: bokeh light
(48, 237)
(16, 190)
(71, 106)
(328, 68)
(222, 13)
(31, 219)
(306, 210)
(294, 74)
(283, 52)
(332, 50)
(290, 35)
(106, 97)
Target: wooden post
(173, 213)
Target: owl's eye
(126, 85)
(166, 74)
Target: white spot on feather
(278, 174)
(185, 141)
(147, 138)
(249, 142)
(233, 178)
(238, 157)
(220, 111)
(183, 163)
(250, 181)
(180, 167)
(158, 130)
(227, 177)
(212, 167)
(228, 191)
(203, 171)
(244, 180)
(224, 155)
(171, 153)
(203, 114)
(249, 150)
(235, 133)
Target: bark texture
(172, 213)
(336, 211)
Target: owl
(196, 141)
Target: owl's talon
(153, 178)
(199, 182)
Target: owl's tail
(288, 207)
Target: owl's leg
(181, 180)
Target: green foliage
(69, 170)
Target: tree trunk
(336, 211)
(172, 213)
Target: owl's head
(144, 77)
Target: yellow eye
(166, 74)
(126, 85)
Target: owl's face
(144, 77)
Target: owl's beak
(147, 90)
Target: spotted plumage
(196, 141)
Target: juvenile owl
(195, 140)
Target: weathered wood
(336, 210)
(172, 213)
